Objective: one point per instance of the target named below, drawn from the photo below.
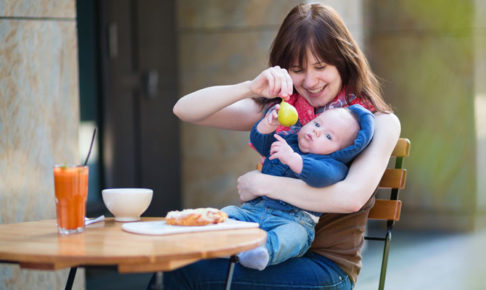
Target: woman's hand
(232, 106)
(247, 185)
(272, 82)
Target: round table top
(37, 245)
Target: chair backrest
(389, 210)
(393, 179)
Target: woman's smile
(315, 93)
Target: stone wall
(225, 42)
(39, 117)
(431, 55)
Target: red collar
(307, 113)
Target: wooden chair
(388, 210)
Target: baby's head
(333, 130)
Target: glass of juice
(71, 189)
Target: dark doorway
(140, 133)
(130, 87)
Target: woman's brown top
(339, 237)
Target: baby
(319, 154)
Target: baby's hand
(281, 150)
(272, 117)
(270, 123)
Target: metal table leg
(158, 281)
(233, 259)
(70, 281)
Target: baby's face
(332, 130)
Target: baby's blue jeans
(289, 232)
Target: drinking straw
(90, 147)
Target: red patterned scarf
(307, 112)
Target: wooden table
(36, 245)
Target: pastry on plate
(195, 217)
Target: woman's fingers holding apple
(263, 84)
(289, 83)
(286, 89)
(272, 82)
(277, 74)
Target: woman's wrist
(247, 91)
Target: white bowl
(127, 204)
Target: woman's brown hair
(322, 30)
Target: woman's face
(318, 82)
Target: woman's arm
(232, 106)
(345, 196)
(226, 107)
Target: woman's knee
(204, 274)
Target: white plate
(161, 228)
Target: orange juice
(71, 189)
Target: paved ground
(428, 260)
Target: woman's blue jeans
(310, 271)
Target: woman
(313, 58)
